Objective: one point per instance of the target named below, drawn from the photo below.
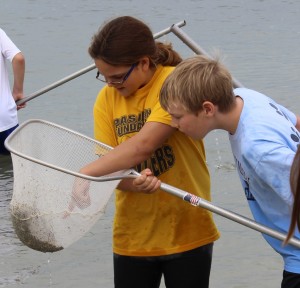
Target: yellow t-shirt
(159, 223)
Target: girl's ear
(208, 108)
(145, 63)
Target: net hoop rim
(131, 172)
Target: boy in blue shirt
(263, 134)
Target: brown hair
(195, 80)
(295, 188)
(124, 40)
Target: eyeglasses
(101, 78)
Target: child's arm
(298, 123)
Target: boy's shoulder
(246, 92)
(253, 99)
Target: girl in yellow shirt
(155, 233)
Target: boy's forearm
(18, 65)
(298, 123)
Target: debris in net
(23, 223)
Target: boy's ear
(208, 108)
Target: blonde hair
(195, 80)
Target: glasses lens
(120, 81)
(100, 77)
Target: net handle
(202, 203)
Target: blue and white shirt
(264, 146)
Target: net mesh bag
(46, 213)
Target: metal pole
(200, 202)
(196, 48)
(56, 84)
(85, 70)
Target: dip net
(46, 213)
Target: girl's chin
(124, 92)
(121, 90)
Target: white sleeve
(8, 48)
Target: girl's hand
(147, 182)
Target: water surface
(259, 42)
